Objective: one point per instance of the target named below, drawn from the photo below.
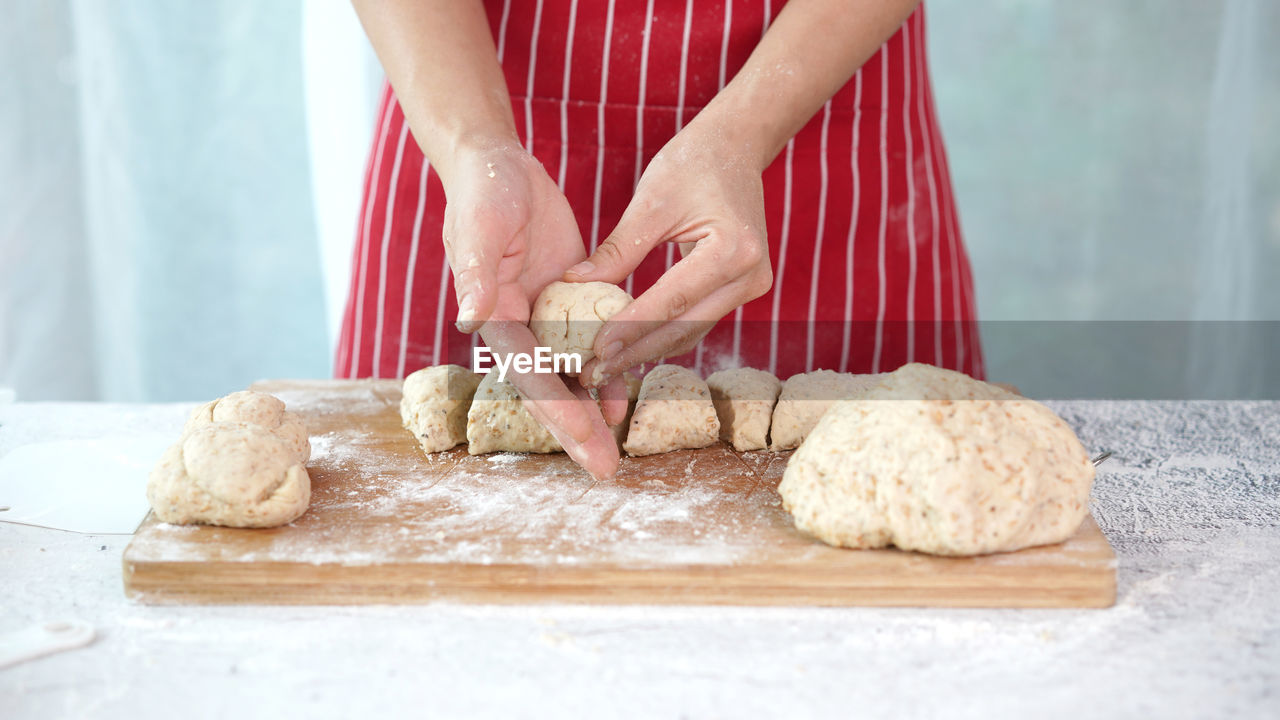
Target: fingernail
(597, 378)
(466, 313)
(585, 267)
(611, 349)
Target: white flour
(1189, 502)
(502, 508)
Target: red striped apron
(870, 271)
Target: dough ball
(673, 411)
(937, 462)
(235, 474)
(744, 400)
(499, 422)
(259, 409)
(435, 405)
(805, 397)
(567, 316)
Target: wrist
(755, 116)
(729, 139)
(740, 137)
(453, 154)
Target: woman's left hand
(706, 194)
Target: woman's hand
(707, 196)
(508, 232)
(704, 187)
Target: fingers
(620, 253)
(614, 401)
(473, 253)
(598, 455)
(706, 270)
(597, 451)
(475, 298)
(572, 416)
(668, 340)
(546, 395)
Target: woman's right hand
(508, 233)
(508, 230)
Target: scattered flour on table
(1184, 476)
(503, 458)
(455, 508)
(1194, 632)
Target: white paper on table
(93, 486)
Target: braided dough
(259, 409)
(241, 462)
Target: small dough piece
(633, 393)
(567, 316)
(937, 462)
(435, 404)
(229, 473)
(259, 409)
(499, 422)
(805, 397)
(674, 411)
(744, 400)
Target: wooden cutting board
(389, 524)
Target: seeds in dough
(435, 404)
(805, 397)
(744, 400)
(499, 422)
(937, 462)
(259, 409)
(241, 462)
(674, 411)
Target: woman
(791, 154)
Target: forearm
(439, 57)
(809, 52)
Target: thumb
(475, 281)
(620, 253)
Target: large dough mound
(499, 422)
(435, 405)
(805, 397)
(673, 411)
(744, 400)
(567, 316)
(229, 473)
(935, 461)
(261, 409)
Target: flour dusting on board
(377, 498)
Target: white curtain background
(1118, 161)
(179, 185)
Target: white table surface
(1191, 502)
